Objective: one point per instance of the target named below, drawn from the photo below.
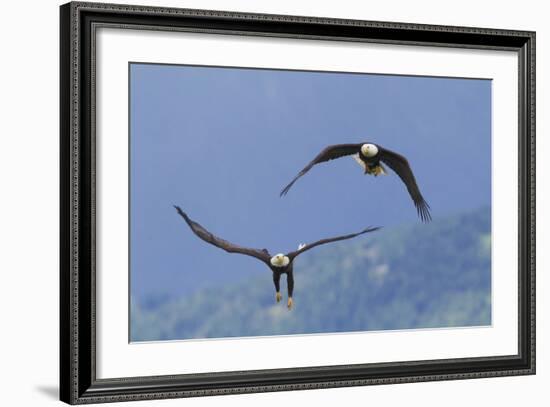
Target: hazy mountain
(222, 142)
(418, 276)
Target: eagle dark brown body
(277, 272)
(371, 156)
(279, 264)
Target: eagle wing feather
(329, 153)
(229, 247)
(401, 166)
(309, 246)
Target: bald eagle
(279, 263)
(370, 157)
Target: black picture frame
(78, 382)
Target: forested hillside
(418, 276)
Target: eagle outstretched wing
(229, 247)
(306, 247)
(401, 166)
(329, 153)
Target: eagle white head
(369, 150)
(280, 260)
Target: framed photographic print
(255, 203)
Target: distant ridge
(414, 276)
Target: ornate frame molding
(78, 383)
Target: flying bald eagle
(370, 157)
(279, 263)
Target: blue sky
(222, 142)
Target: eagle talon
(278, 264)
(372, 158)
(376, 171)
